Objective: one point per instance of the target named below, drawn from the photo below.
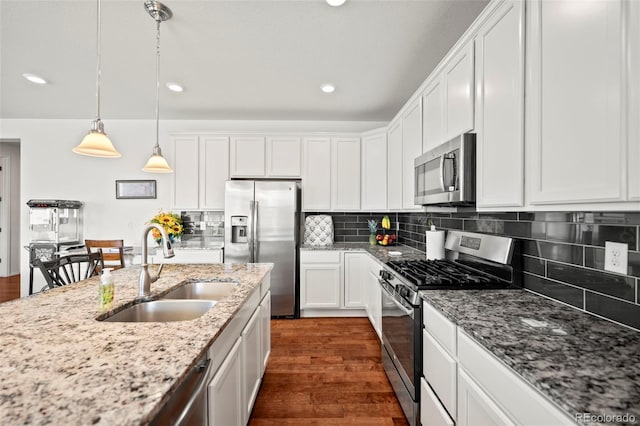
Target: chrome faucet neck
(144, 283)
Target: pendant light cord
(158, 84)
(98, 72)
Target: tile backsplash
(562, 252)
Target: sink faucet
(144, 284)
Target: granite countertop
(380, 253)
(595, 368)
(60, 366)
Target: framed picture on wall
(130, 189)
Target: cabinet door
(475, 407)
(316, 174)
(225, 391)
(214, 171)
(394, 166)
(433, 115)
(634, 101)
(252, 362)
(411, 148)
(247, 157)
(355, 275)
(320, 285)
(458, 77)
(440, 371)
(185, 180)
(574, 97)
(265, 313)
(283, 157)
(500, 113)
(345, 179)
(374, 172)
(432, 413)
(375, 302)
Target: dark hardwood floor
(9, 288)
(325, 371)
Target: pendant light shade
(157, 163)
(97, 143)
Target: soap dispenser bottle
(105, 294)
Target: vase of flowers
(172, 223)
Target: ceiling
(237, 59)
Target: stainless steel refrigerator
(262, 226)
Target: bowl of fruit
(386, 237)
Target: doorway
(10, 208)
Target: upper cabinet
(345, 174)
(433, 109)
(499, 122)
(316, 174)
(458, 80)
(575, 101)
(634, 100)
(411, 148)
(374, 171)
(200, 171)
(284, 156)
(270, 156)
(395, 170)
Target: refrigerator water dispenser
(239, 229)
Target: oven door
(398, 349)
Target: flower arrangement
(172, 223)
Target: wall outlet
(616, 257)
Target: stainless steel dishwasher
(188, 403)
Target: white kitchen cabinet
(374, 171)
(320, 279)
(247, 157)
(200, 171)
(440, 372)
(394, 166)
(224, 392)
(252, 363)
(459, 87)
(411, 148)
(355, 275)
(265, 314)
(316, 174)
(374, 299)
(433, 111)
(475, 407)
(574, 104)
(499, 123)
(432, 413)
(634, 101)
(345, 174)
(284, 157)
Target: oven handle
(398, 304)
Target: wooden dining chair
(70, 269)
(112, 252)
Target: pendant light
(157, 163)
(96, 143)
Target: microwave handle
(442, 158)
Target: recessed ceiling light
(328, 88)
(335, 2)
(34, 78)
(174, 87)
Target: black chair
(70, 269)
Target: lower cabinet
(225, 390)
(431, 411)
(475, 407)
(238, 358)
(355, 275)
(374, 298)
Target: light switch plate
(616, 257)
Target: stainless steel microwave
(446, 175)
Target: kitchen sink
(202, 290)
(162, 311)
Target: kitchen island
(59, 365)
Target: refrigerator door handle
(254, 231)
(250, 235)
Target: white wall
(51, 171)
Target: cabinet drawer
(440, 371)
(518, 399)
(432, 413)
(320, 256)
(440, 327)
